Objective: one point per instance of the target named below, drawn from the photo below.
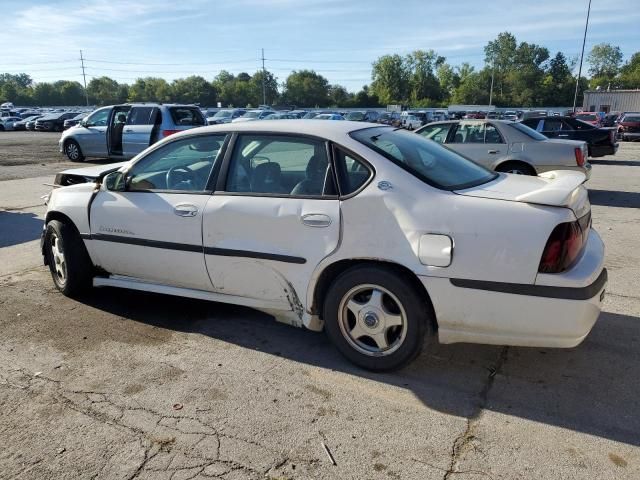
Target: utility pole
(86, 94)
(264, 73)
(584, 39)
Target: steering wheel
(179, 174)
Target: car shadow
(18, 227)
(620, 163)
(613, 198)
(593, 388)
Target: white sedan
(374, 234)
(507, 146)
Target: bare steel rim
(73, 152)
(372, 320)
(59, 262)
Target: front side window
(280, 165)
(552, 125)
(431, 163)
(437, 133)
(183, 165)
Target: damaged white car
(377, 235)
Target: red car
(629, 126)
(589, 117)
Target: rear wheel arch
(513, 163)
(332, 271)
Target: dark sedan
(71, 122)
(54, 122)
(601, 141)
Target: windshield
(251, 115)
(530, 132)
(430, 162)
(223, 114)
(357, 116)
(631, 119)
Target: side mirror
(115, 182)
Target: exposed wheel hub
(370, 319)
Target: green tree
(630, 72)
(391, 78)
(270, 87)
(106, 91)
(424, 87)
(306, 88)
(69, 93)
(150, 89)
(339, 96)
(193, 89)
(604, 61)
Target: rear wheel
(376, 318)
(518, 168)
(67, 257)
(72, 149)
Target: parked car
(601, 141)
(31, 124)
(510, 115)
(6, 123)
(527, 268)
(328, 116)
(225, 116)
(70, 122)
(298, 113)
(510, 147)
(590, 117)
(629, 126)
(281, 116)
(252, 115)
(53, 122)
(411, 122)
(314, 114)
(363, 116)
(123, 131)
(423, 116)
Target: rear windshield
(189, 116)
(530, 132)
(430, 162)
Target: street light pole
(584, 39)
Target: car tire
(73, 151)
(1, 128)
(517, 168)
(67, 257)
(382, 297)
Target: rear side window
(428, 161)
(187, 116)
(141, 116)
(352, 173)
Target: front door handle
(185, 210)
(563, 135)
(493, 151)
(316, 220)
(128, 130)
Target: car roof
(335, 131)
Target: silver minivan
(122, 131)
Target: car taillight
(564, 245)
(579, 157)
(166, 133)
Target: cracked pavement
(130, 385)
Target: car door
(91, 134)
(479, 141)
(275, 216)
(115, 130)
(138, 129)
(149, 226)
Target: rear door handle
(563, 135)
(493, 151)
(128, 130)
(185, 210)
(316, 220)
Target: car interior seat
(267, 178)
(316, 174)
(116, 133)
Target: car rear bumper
(630, 135)
(602, 150)
(537, 315)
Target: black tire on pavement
(73, 151)
(67, 257)
(399, 298)
(518, 168)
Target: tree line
(522, 73)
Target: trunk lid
(558, 188)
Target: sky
(127, 39)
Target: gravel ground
(123, 385)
